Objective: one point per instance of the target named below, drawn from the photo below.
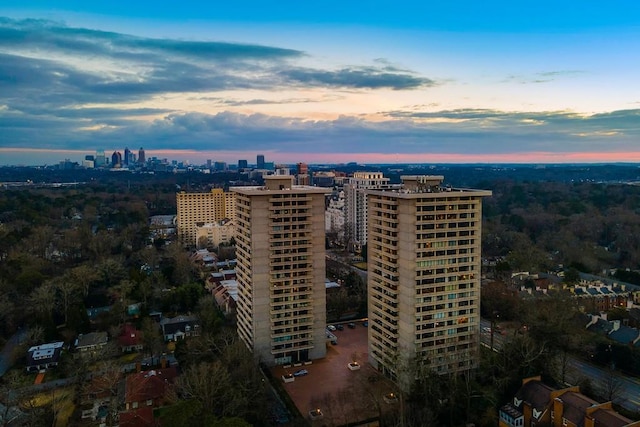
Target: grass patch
(62, 398)
(129, 357)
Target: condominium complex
(356, 204)
(424, 277)
(197, 209)
(280, 248)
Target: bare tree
(67, 290)
(42, 301)
(612, 384)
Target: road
(626, 390)
(7, 350)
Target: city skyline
(466, 83)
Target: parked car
(340, 327)
(365, 323)
(300, 373)
(331, 328)
(351, 325)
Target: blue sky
(321, 82)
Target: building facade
(215, 234)
(424, 277)
(196, 209)
(280, 248)
(355, 196)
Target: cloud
(542, 77)
(358, 77)
(509, 133)
(261, 101)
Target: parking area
(343, 395)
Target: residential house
(92, 343)
(44, 356)
(614, 330)
(148, 388)
(141, 417)
(536, 404)
(226, 295)
(130, 339)
(179, 327)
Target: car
(351, 325)
(340, 327)
(300, 373)
(365, 323)
(331, 328)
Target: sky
(321, 82)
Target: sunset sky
(321, 82)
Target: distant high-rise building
(127, 156)
(220, 166)
(243, 164)
(116, 159)
(424, 277)
(280, 247)
(355, 203)
(302, 169)
(100, 159)
(260, 161)
(196, 209)
(209, 163)
(141, 156)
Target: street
(626, 390)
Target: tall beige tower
(196, 209)
(355, 204)
(280, 248)
(424, 277)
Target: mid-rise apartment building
(280, 249)
(424, 277)
(355, 196)
(196, 209)
(215, 234)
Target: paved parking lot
(342, 395)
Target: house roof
(536, 393)
(178, 323)
(129, 336)
(624, 335)
(149, 385)
(91, 339)
(575, 406)
(94, 312)
(609, 418)
(142, 417)
(601, 326)
(44, 353)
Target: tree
(572, 276)
(67, 294)
(612, 384)
(151, 337)
(84, 276)
(42, 302)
